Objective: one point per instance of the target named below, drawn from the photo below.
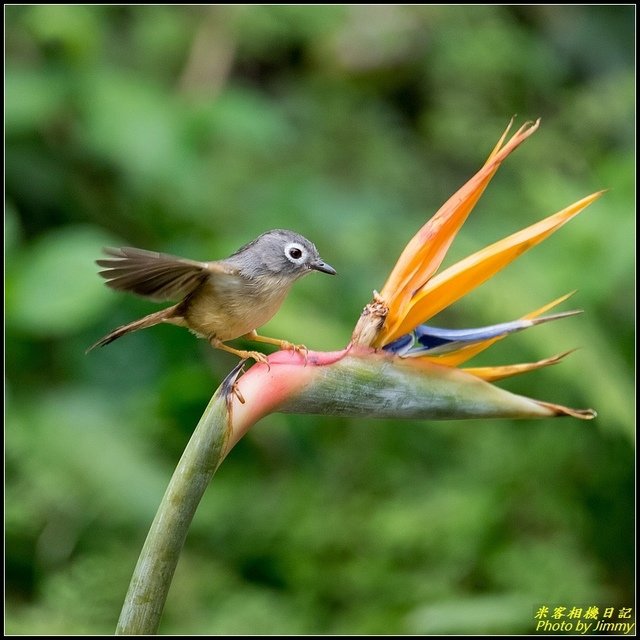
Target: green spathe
(362, 382)
(381, 386)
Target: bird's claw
(260, 358)
(296, 348)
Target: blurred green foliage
(193, 129)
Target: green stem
(154, 571)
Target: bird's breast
(231, 306)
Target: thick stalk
(154, 571)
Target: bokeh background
(191, 130)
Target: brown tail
(143, 323)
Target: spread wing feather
(157, 276)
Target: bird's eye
(294, 252)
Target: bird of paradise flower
(395, 366)
(412, 293)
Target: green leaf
(53, 289)
(32, 98)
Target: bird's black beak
(318, 265)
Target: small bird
(219, 300)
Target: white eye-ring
(295, 252)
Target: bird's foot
(281, 344)
(296, 348)
(259, 357)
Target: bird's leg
(282, 344)
(255, 355)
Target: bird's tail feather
(143, 323)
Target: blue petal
(401, 345)
(426, 340)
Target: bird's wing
(157, 276)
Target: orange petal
(426, 250)
(491, 374)
(498, 146)
(548, 306)
(456, 281)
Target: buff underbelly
(213, 314)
